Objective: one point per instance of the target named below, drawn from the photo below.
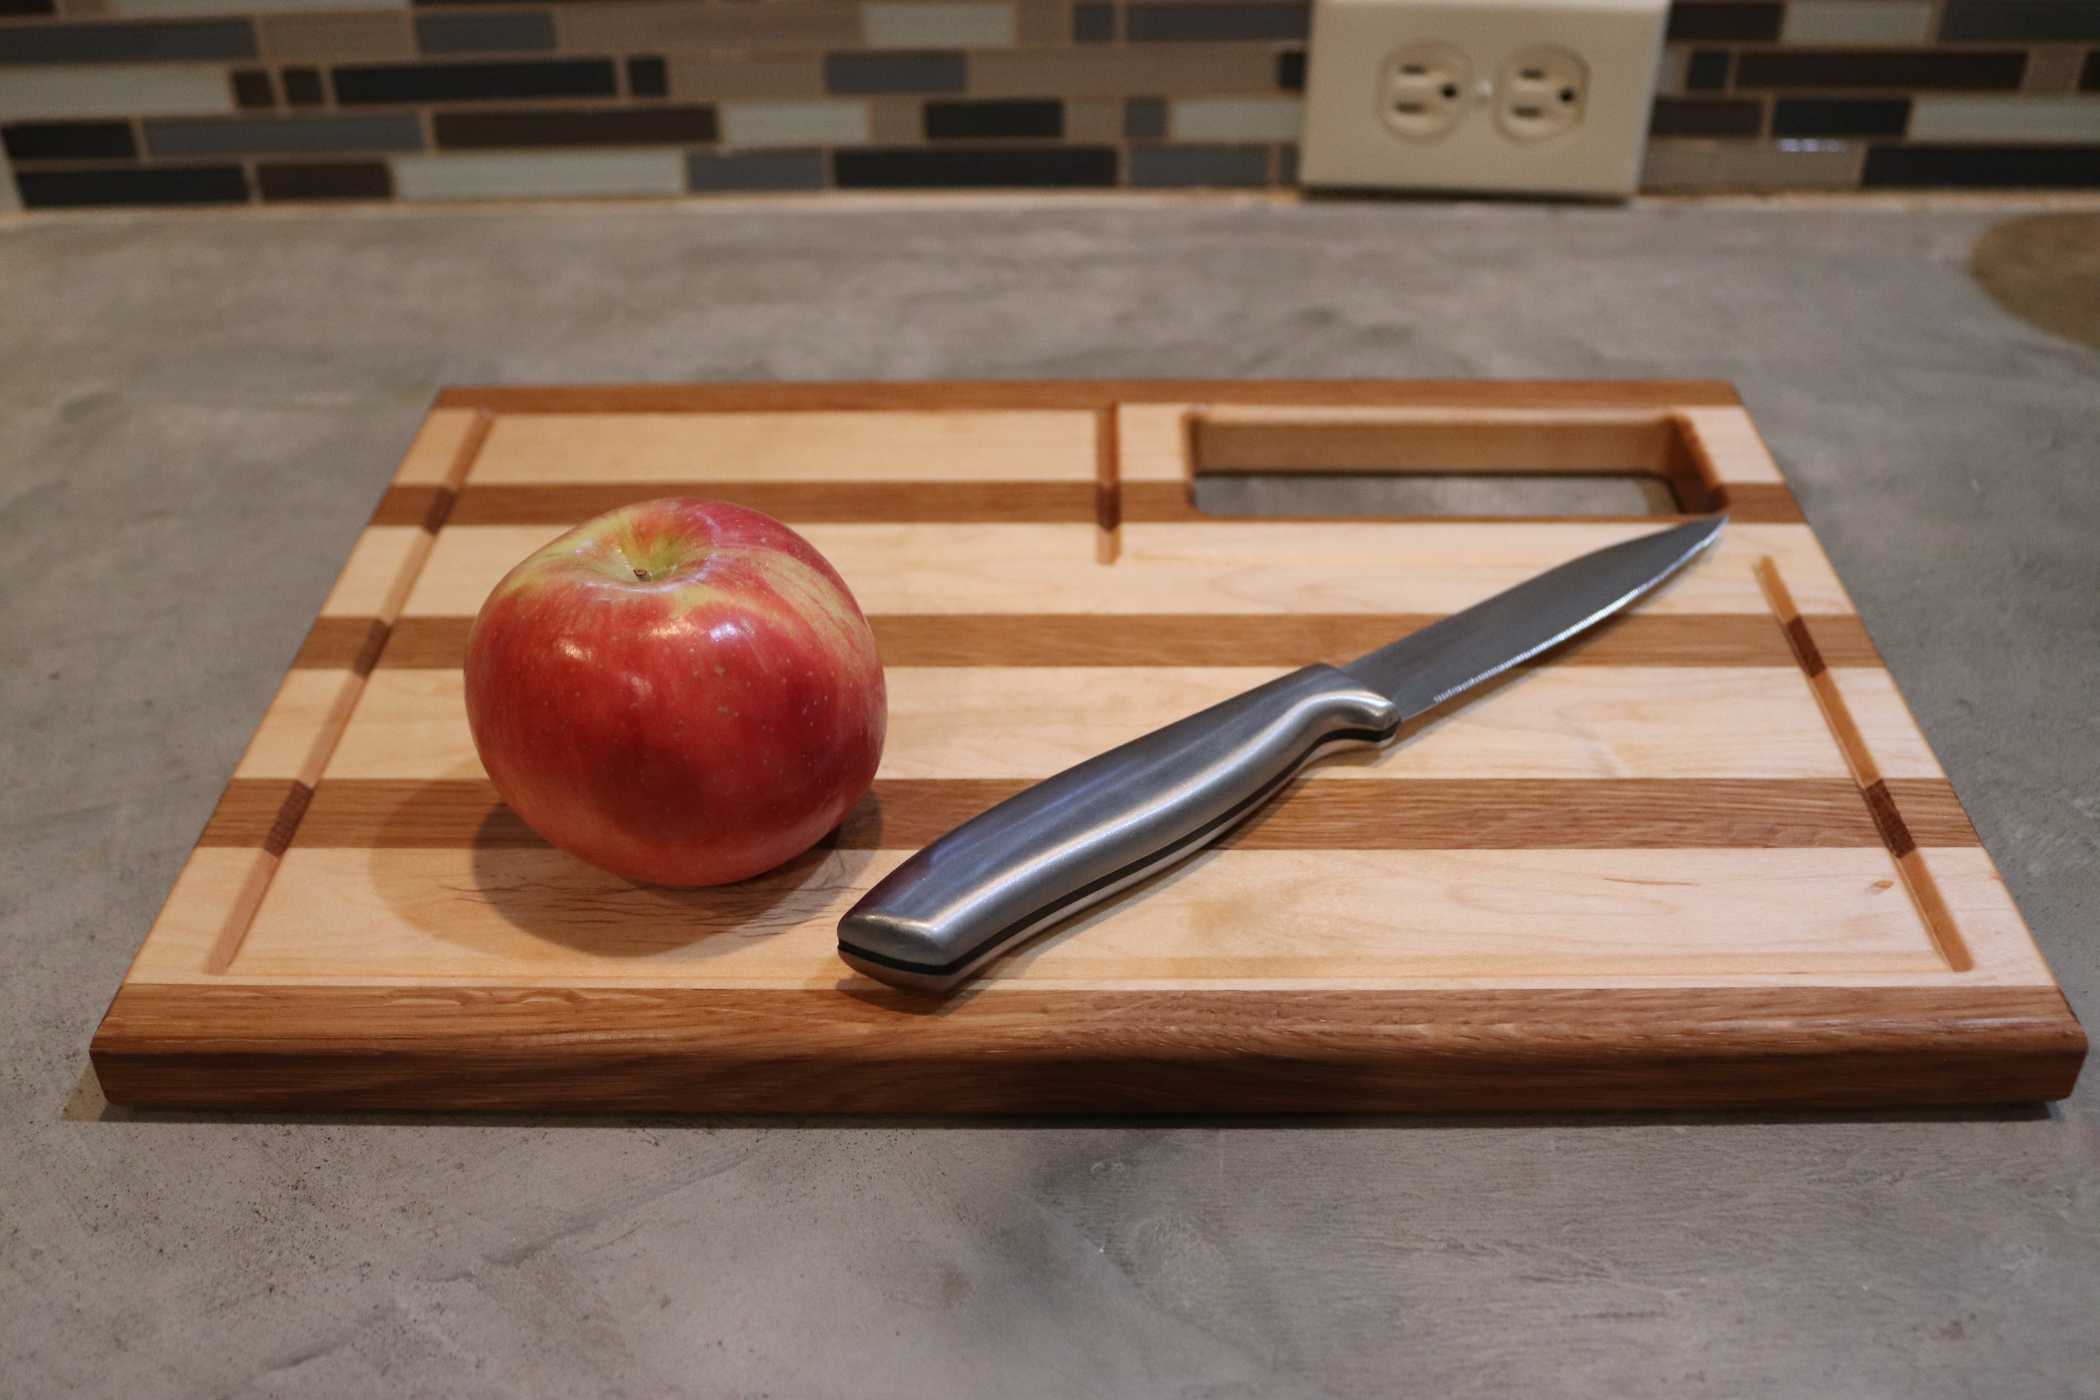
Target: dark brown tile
(1997, 167)
(2090, 81)
(69, 141)
(1707, 70)
(2015, 20)
(1729, 19)
(1017, 119)
(407, 83)
(171, 41)
(648, 77)
(1093, 24)
(1022, 167)
(306, 180)
(1692, 116)
(1290, 70)
(894, 70)
(26, 7)
(302, 87)
(161, 184)
(1839, 116)
(568, 126)
(251, 88)
(1182, 22)
(1946, 70)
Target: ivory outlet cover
(1510, 96)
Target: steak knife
(1072, 840)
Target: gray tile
(2021, 19)
(794, 123)
(1670, 70)
(1195, 22)
(1162, 167)
(10, 202)
(1237, 118)
(537, 176)
(2005, 119)
(1145, 119)
(175, 40)
(2053, 69)
(929, 26)
(767, 170)
(115, 91)
(283, 135)
(1093, 24)
(520, 31)
(1117, 71)
(1286, 165)
(924, 71)
(1857, 22)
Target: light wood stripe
(1759, 503)
(1210, 567)
(1073, 639)
(876, 502)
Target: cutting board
(1701, 857)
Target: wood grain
(1487, 814)
(729, 1051)
(996, 395)
(1162, 639)
(1702, 856)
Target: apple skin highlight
(681, 691)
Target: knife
(1070, 841)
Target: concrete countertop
(201, 410)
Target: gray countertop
(201, 410)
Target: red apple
(681, 691)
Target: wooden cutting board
(1704, 856)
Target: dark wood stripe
(1146, 639)
(877, 1050)
(406, 505)
(279, 837)
(991, 395)
(344, 643)
(443, 499)
(1759, 503)
(1803, 644)
(876, 502)
(248, 812)
(1501, 814)
(1108, 470)
(1888, 822)
(1931, 811)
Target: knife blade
(1074, 839)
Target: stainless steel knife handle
(1071, 840)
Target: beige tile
(712, 77)
(1097, 70)
(1043, 21)
(1858, 22)
(1235, 119)
(775, 24)
(1669, 71)
(1089, 121)
(1699, 166)
(9, 200)
(83, 7)
(2005, 119)
(565, 175)
(242, 7)
(896, 121)
(2054, 68)
(908, 24)
(115, 90)
(343, 38)
(794, 123)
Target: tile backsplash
(121, 102)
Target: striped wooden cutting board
(1703, 856)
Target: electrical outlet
(1512, 96)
